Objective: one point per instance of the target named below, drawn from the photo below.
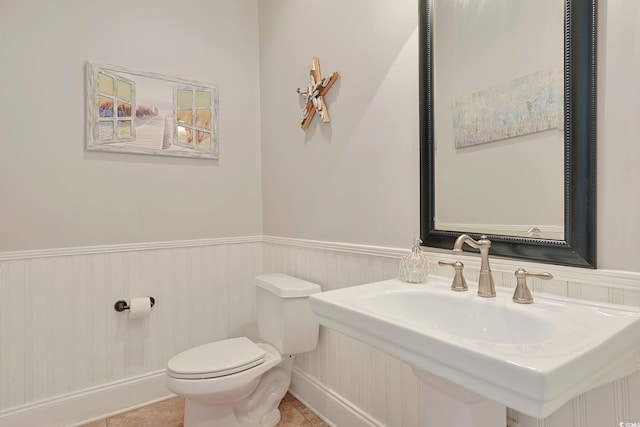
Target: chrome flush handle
(522, 295)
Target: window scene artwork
(148, 113)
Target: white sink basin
(472, 319)
(532, 358)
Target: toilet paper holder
(122, 304)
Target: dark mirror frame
(579, 246)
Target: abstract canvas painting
(522, 106)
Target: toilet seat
(216, 359)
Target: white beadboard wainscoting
(67, 357)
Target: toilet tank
(284, 316)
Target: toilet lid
(216, 359)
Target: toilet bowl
(236, 382)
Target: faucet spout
(486, 287)
(465, 238)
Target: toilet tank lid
(286, 286)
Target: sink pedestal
(447, 404)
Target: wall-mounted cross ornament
(314, 94)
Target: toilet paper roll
(139, 307)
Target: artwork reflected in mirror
(148, 113)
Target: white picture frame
(140, 112)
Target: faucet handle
(458, 283)
(522, 295)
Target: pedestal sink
(477, 356)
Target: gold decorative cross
(314, 94)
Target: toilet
(236, 382)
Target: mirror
(507, 127)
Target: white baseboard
(97, 403)
(91, 404)
(331, 407)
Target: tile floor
(169, 413)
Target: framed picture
(147, 113)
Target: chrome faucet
(486, 288)
(522, 294)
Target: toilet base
(259, 409)
(198, 414)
